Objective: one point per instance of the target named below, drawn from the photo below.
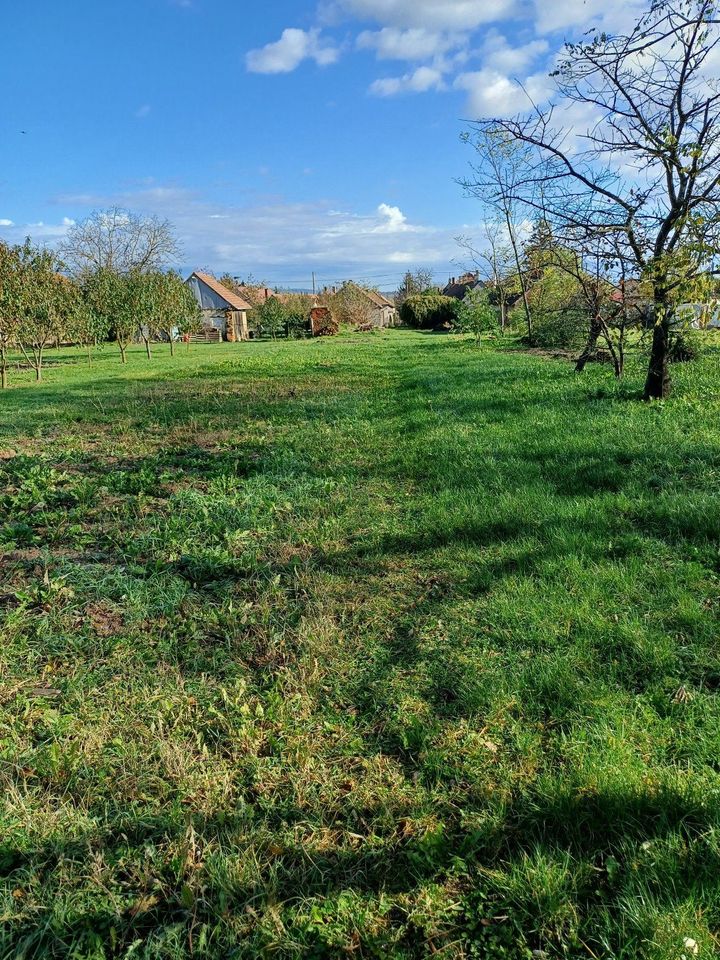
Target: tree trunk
(38, 366)
(591, 344)
(657, 385)
(123, 358)
(147, 349)
(503, 316)
(172, 345)
(3, 369)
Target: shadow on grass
(610, 831)
(592, 823)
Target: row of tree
(41, 306)
(107, 281)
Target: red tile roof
(236, 302)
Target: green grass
(378, 647)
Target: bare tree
(496, 263)
(647, 172)
(592, 267)
(414, 282)
(497, 183)
(121, 241)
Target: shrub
(684, 347)
(297, 326)
(559, 328)
(428, 310)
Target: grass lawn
(385, 646)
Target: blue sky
(281, 138)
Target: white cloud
(395, 220)
(494, 94)
(460, 15)
(282, 239)
(390, 43)
(40, 231)
(419, 81)
(287, 53)
(499, 55)
(616, 15)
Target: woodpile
(322, 322)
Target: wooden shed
(222, 310)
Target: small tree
(112, 297)
(146, 292)
(10, 305)
(497, 184)
(474, 314)
(46, 305)
(496, 262)
(177, 310)
(271, 317)
(84, 326)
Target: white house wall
(207, 298)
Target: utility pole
(313, 282)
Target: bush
(297, 326)
(428, 310)
(685, 347)
(559, 328)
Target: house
(381, 312)
(637, 298)
(700, 316)
(222, 310)
(459, 287)
(385, 314)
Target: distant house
(382, 312)
(701, 316)
(459, 287)
(255, 294)
(637, 299)
(222, 310)
(386, 313)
